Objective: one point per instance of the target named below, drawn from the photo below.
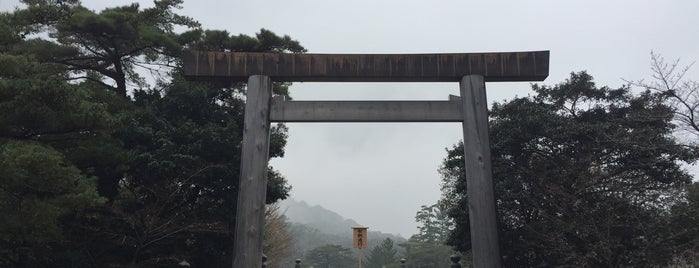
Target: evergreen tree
(165, 157)
(584, 176)
(427, 248)
(108, 46)
(434, 224)
(39, 187)
(685, 227)
(382, 255)
(42, 181)
(328, 256)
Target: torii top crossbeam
(451, 67)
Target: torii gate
(471, 70)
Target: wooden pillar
(479, 177)
(253, 174)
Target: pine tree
(382, 254)
(164, 156)
(330, 256)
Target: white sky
(380, 174)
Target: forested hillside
(315, 226)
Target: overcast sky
(380, 174)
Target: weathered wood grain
(451, 67)
(479, 176)
(253, 174)
(366, 111)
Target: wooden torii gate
(471, 70)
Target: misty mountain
(314, 226)
(326, 221)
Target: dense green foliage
(584, 177)
(328, 256)
(428, 247)
(434, 225)
(685, 226)
(382, 255)
(38, 189)
(101, 168)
